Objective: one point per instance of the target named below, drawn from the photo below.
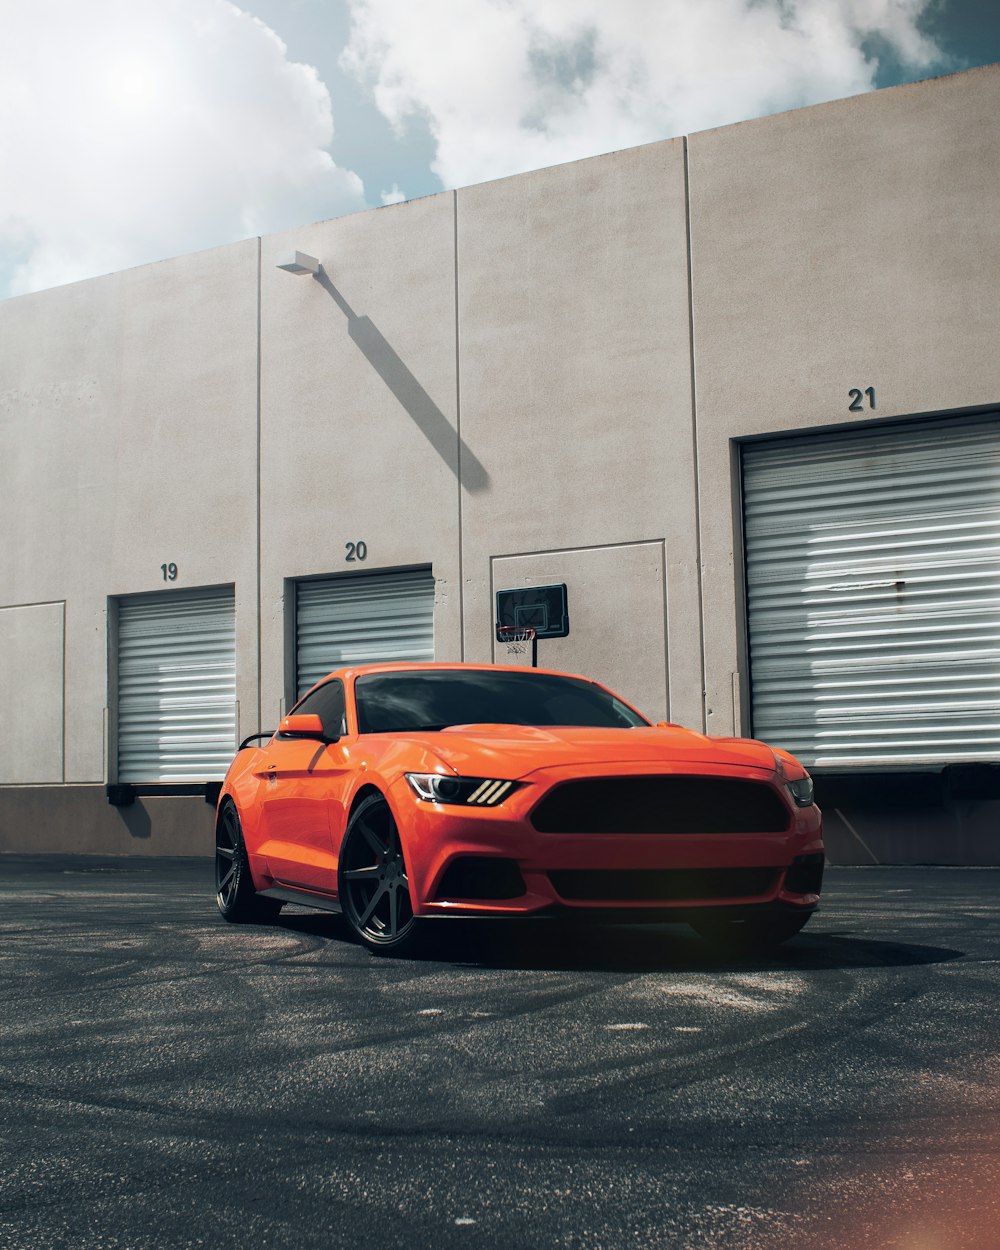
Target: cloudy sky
(139, 129)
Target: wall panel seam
(666, 627)
(41, 603)
(694, 438)
(558, 551)
(458, 437)
(260, 656)
(64, 692)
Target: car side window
(329, 704)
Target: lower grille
(480, 877)
(663, 885)
(661, 805)
(805, 876)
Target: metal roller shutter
(873, 593)
(362, 618)
(176, 685)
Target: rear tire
(235, 896)
(753, 934)
(374, 887)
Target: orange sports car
(399, 792)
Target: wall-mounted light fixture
(300, 262)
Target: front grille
(661, 805)
(663, 885)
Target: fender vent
(480, 877)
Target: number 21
(856, 405)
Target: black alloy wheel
(235, 895)
(374, 887)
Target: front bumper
(494, 862)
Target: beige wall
(359, 437)
(854, 244)
(576, 391)
(616, 598)
(127, 420)
(32, 639)
(78, 820)
(539, 378)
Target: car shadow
(554, 946)
(559, 946)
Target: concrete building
(738, 391)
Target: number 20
(356, 551)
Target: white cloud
(511, 85)
(138, 129)
(395, 196)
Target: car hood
(515, 751)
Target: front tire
(235, 896)
(374, 886)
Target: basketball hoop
(518, 644)
(523, 615)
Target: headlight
(801, 791)
(463, 791)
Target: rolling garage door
(873, 593)
(176, 685)
(362, 618)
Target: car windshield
(400, 702)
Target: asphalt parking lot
(172, 1081)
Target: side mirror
(303, 725)
(665, 724)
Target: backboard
(539, 609)
(542, 608)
